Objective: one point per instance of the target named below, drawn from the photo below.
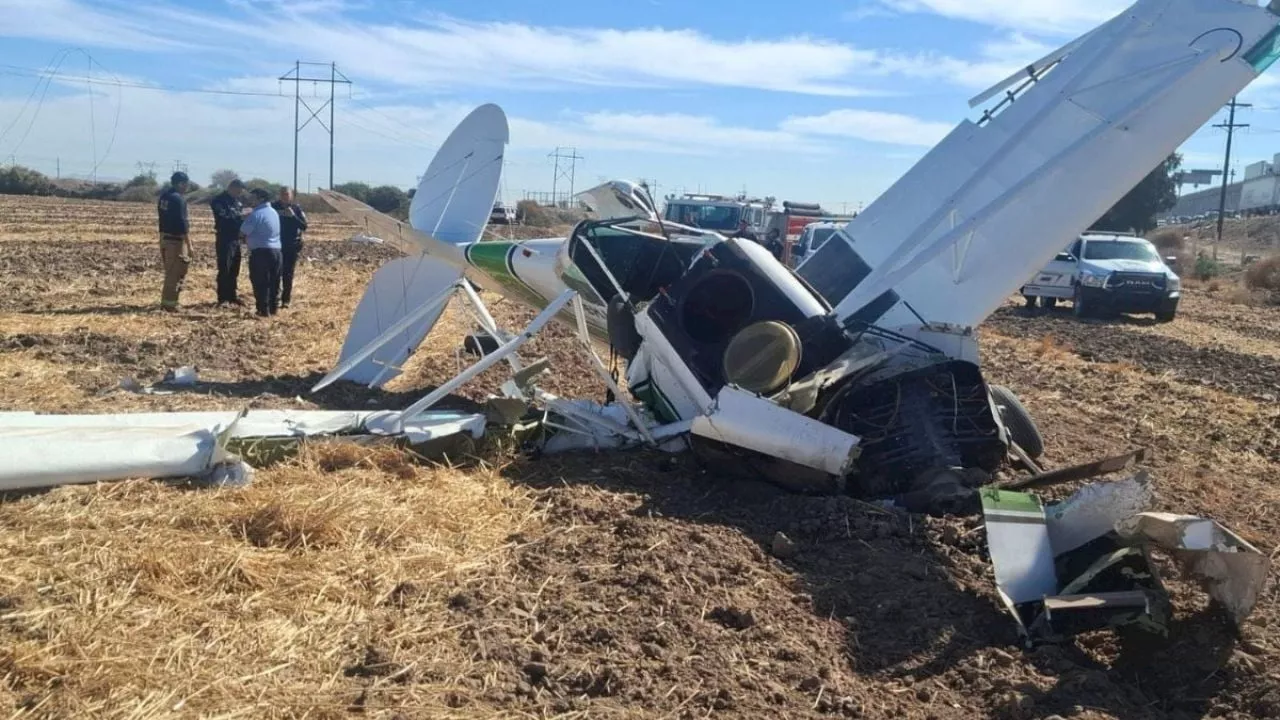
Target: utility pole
(335, 79)
(59, 167)
(1231, 126)
(179, 166)
(568, 173)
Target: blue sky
(819, 100)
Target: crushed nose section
(929, 436)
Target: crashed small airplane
(859, 371)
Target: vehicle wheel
(1022, 429)
(1078, 306)
(1166, 316)
(480, 344)
(1031, 301)
(1049, 303)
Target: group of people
(270, 230)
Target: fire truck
(720, 213)
(784, 227)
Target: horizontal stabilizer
(392, 319)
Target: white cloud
(882, 127)
(73, 22)
(1058, 17)
(447, 54)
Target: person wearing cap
(175, 239)
(293, 222)
(228, 213)
(261, 232)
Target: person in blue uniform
(175, 239)
(293, 223)
(228, 213)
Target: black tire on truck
(1078, 306)
(1022, 429)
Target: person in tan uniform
(175, 239)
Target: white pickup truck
(1108, 273)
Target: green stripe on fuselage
(494, 259)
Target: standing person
(293, 222)
(175, 239)
(745, 232)
(261, 231)
(228, 213)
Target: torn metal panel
(1095, 510)
(1083, 471)
(1018, 540)
(1233, 571)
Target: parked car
(502, 214)
(1107, 273)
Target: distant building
(1257, 194)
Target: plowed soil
(352, 583)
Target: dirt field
(356, 584)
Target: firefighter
(175, 239)
(228, 213)
(293, 222)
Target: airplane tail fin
(449, 210)
(456, 194)
(401, 304)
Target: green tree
(19, 180)
(1137, 210)
(387, 199)
(143, 181)
(356, 190)
(222, 178)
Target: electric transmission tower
(566, 164)
(147, 168)
(334, 80)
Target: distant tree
(387, 198)
(19, 180)
(138, 193)
(1137, 210)
(222, 178)
(356, 190)
(411, 193)
(143, 181)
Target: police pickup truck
(1108, 273)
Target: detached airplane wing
(996, 199)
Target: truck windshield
(707, 217)
(1117, 250)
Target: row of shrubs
(19, 180)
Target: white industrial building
(1258, 193)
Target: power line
(1231, 125)
(16, 70)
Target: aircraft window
(834, 270)
(640, 264)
